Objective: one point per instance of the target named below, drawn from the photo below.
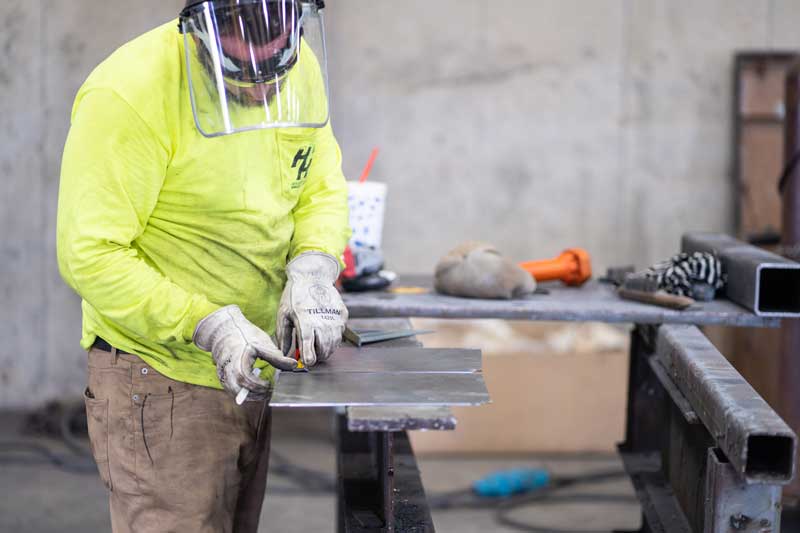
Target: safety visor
(255, 64)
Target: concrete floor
(43, 499)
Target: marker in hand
(244, 393)
(242, 396)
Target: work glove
(478, 270)
(311, 309)
(235, 343)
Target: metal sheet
(759, 445)
(400, 418)
(592, 302)
(361, 337)
(388, 324)
(410, 359)
(359, 388)
(765, 283)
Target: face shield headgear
(256, 64)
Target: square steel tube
(756, 441)
(765, 283)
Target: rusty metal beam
(758, 443)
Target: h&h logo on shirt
(304, 157)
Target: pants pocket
(97, 422)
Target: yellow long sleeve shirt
(159, 226)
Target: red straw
(368, 168)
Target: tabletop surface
(592, 302)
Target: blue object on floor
(508, 482)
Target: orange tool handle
(573, 267)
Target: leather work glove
(311, 308)
(235, 343)
(478, 270)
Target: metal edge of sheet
(394, 418)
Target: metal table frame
(704, 452)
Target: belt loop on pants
(113, 356)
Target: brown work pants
(175, 457)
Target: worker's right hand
(235, 343)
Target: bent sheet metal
(386, 376)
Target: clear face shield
(256, 64)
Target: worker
(202, 216)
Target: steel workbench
(703, 450)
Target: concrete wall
(538, 125)
(47, 49)
(533, 124)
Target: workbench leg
(365, 472)
(647, 408)
(379, 485)
(646, 431)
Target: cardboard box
(555, 387)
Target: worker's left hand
(312, 308)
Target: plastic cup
(367, 202)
